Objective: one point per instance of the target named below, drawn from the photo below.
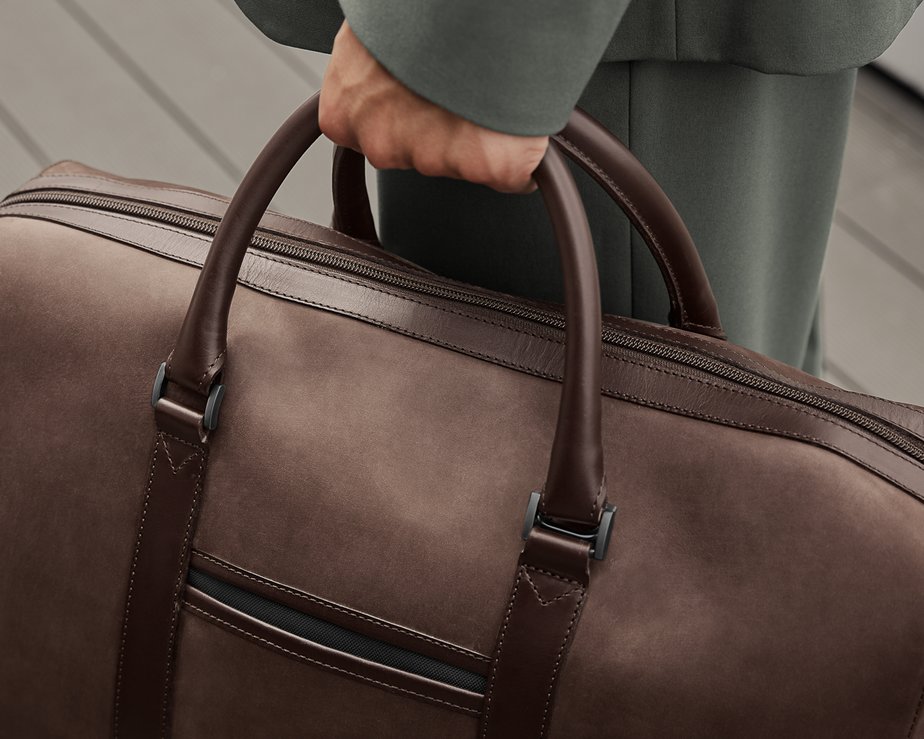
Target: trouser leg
(750, 160)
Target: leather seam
(569, 580)
(533, 371)
(753, 364)
(685, 334)
(500, 649)
(644, 223)
(148, 248)
(772, 400)
(767, 429)
(539, 373)
(178, 586)
(598, 499)
(646, 227)
(30, 186)
(701, 325)
(35, 186)
(559, 658)
(639, 400)
(131, 581)
(435, 306)
(209, 368)
(211, 617)
(186, 461)
(341, 609)
(917, 715)
(311, 303)
(543, 601)
(394, 294)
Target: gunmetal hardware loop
(599, 537)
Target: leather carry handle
(605, 158)
(574, 484)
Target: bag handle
(574, 485)
(605, 158)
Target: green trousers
(750, 160)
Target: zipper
(340, 261)
(332, 636)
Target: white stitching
(131, 580)
(558, 661)
(341, 609)
(35, 185)
(532, 370)
(500, 648)
(644, 225)
(25, 212)
(522, 571)
(209, 368)
(542, 601)
(179, 579)
(296, 655)
(170, 458)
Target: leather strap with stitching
(158, 572)
(549, 592)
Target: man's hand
(365, 108)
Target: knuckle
(380, 152)
(333, 125)
(430, 164)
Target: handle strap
(573, 490)
(555, 560)
(605, 158)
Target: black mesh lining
(334, 637)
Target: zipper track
(207, 226)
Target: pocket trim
(201, 605)
(358, 621)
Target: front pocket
(303, 627)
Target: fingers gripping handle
(605, 158)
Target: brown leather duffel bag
(343, 555)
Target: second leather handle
(574, 482)
(625, 179)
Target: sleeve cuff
(515, 66)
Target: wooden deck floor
(187, 91)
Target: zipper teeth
(610, 336)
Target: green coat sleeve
(517, 66)
(305, 24)
(520, 65)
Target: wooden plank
(872, 321)
(21, 157)
(78, 104)
(226, 79)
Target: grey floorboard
(17, 163)
(874, 273)
(308, 65)
(901, 112)
(225, 79)
(871, 321)
(885, 211)
(68, 93)
(873, 151)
